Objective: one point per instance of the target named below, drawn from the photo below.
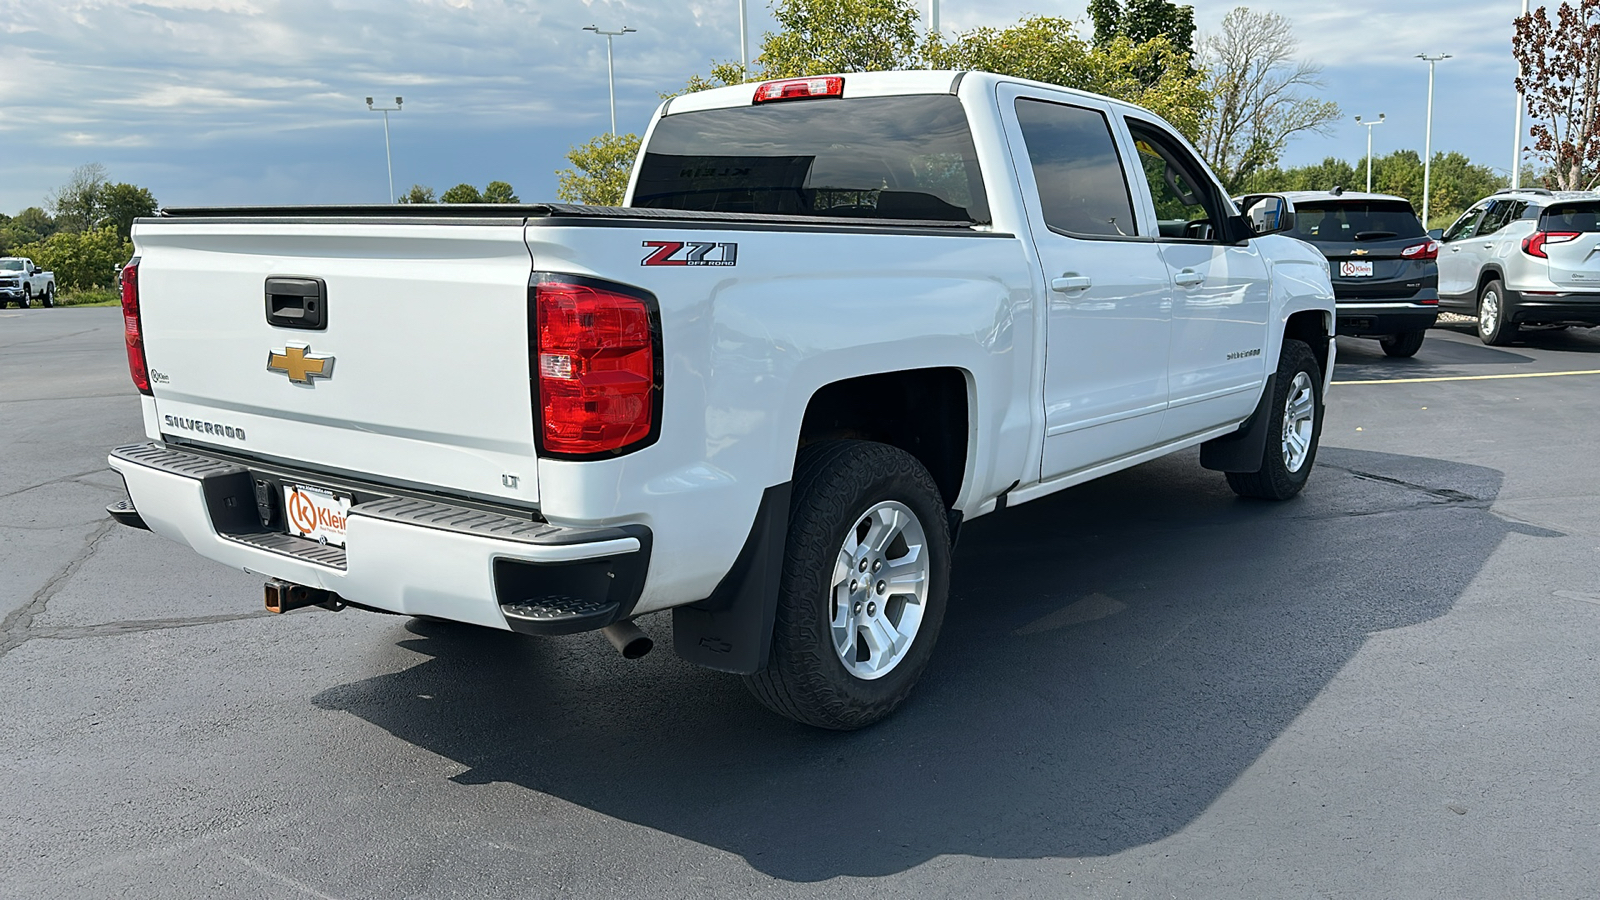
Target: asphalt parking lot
(1145, 687)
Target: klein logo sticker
(690, 253)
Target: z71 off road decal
(690, 253)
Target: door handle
(1455, 249)
(1489, 245)
(1068, 283)
(1188, 278)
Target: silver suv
(1525, 257)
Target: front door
(1459, 260)
(1109, 315)
(1222, 294)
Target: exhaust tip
(628, 639)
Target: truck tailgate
(425, 381)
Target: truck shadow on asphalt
(1113, 659)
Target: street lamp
(611, 78)
(1516, 139)
(386, 155)
(933, 16)
(744, 44)
(1370, 126)
(1427, 141)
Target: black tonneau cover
(537, 213)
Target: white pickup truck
(21, 281)
(838, 317)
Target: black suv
(1384, 265)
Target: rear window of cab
(908, 157)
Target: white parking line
(1471, 377)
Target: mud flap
(731, 631)
(1243, 450)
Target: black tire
(1275, 480)
(1402, 345)
(1494, 327)
(49, 296)
(836, 484)
(27, 298)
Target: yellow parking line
(1471, 377)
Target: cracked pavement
(1144, 687)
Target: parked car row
(1528, 257)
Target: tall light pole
(933, 16)
(386, 155)
(744, 42)
(611, 78)
(1370, 125)
(1516, 139)
(1427, 141)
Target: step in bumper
(405, 554)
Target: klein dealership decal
(690, 253)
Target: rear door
(416, 374)
(1572, 244)
(1109, 298)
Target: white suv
(1525, 257)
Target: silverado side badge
(301, 365)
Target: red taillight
(1429, 250)
(1534, 244)
(800, 89)
(130, 326)
(596, 367)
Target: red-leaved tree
(1560, 65)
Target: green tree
(418, 194)
(499, 192)
(1048, 49)
(121, 203)
(461, 193)
(816, 37)
(1457, 181)
(81, 259)
(1259, 106)
(31, 225)
(1143, 20)
(77, 205)
(600, 170)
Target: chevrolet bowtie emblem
(299, 363)
(1360, 252)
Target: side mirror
(1269, 215)
(36, 270)
(1436, 233)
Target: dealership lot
(1145, 687)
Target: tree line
(1241, 95)
(82, 234)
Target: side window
(1187, 206)
(1082, 187)
(1463, 226)
(1501, 212)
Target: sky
(224, 102)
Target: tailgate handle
(294, 302)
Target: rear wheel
(862, 594)
(1402, 345)
(1493, 327)
(49, 296)
(1293, 431)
